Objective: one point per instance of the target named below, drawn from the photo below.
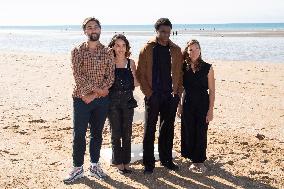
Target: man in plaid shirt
(93, 70)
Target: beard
(94, 37)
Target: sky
(133, 12)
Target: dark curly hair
(186, 55)
(163, 21)
(122, 37)
(88, 20)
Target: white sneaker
(96, 171)
(75, 173)
(198, 168)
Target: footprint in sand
(37, 121)
(264, 161)
(230, 162)
(266, 151)
(22, 132)
(260, 136)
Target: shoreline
(195, 32)
(210, 33)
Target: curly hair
(164, 22)
(88, 20)
(122, 37)
(186, 55)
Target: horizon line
(144, 24)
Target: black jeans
(120, 119)
(166, 106)
(93, 114)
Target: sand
(246, 137)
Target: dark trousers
(166, 106)
(93, 114)
(194, 133)
(120, 119)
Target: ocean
(62, 39)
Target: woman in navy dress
(196, 106)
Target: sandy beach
(245, 145)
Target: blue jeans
(94, 114)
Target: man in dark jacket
(159, 73)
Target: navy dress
(195, 107)
(121, 115)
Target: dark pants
(194, 132)
(95, 114)
(166, 106)
(120, 119)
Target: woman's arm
(211, 86)
(133, 69)
(180, 105)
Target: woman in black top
(196, 108)
(122, 103)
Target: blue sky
(57, 12)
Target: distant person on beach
(122, 103)
(196, 106)
(159, 73)
(93, 71)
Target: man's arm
(84, 86)
(141, 74)
(109, 75)
(180, 78)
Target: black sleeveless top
(196, 84)
(124, 81)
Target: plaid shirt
(91, 69)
